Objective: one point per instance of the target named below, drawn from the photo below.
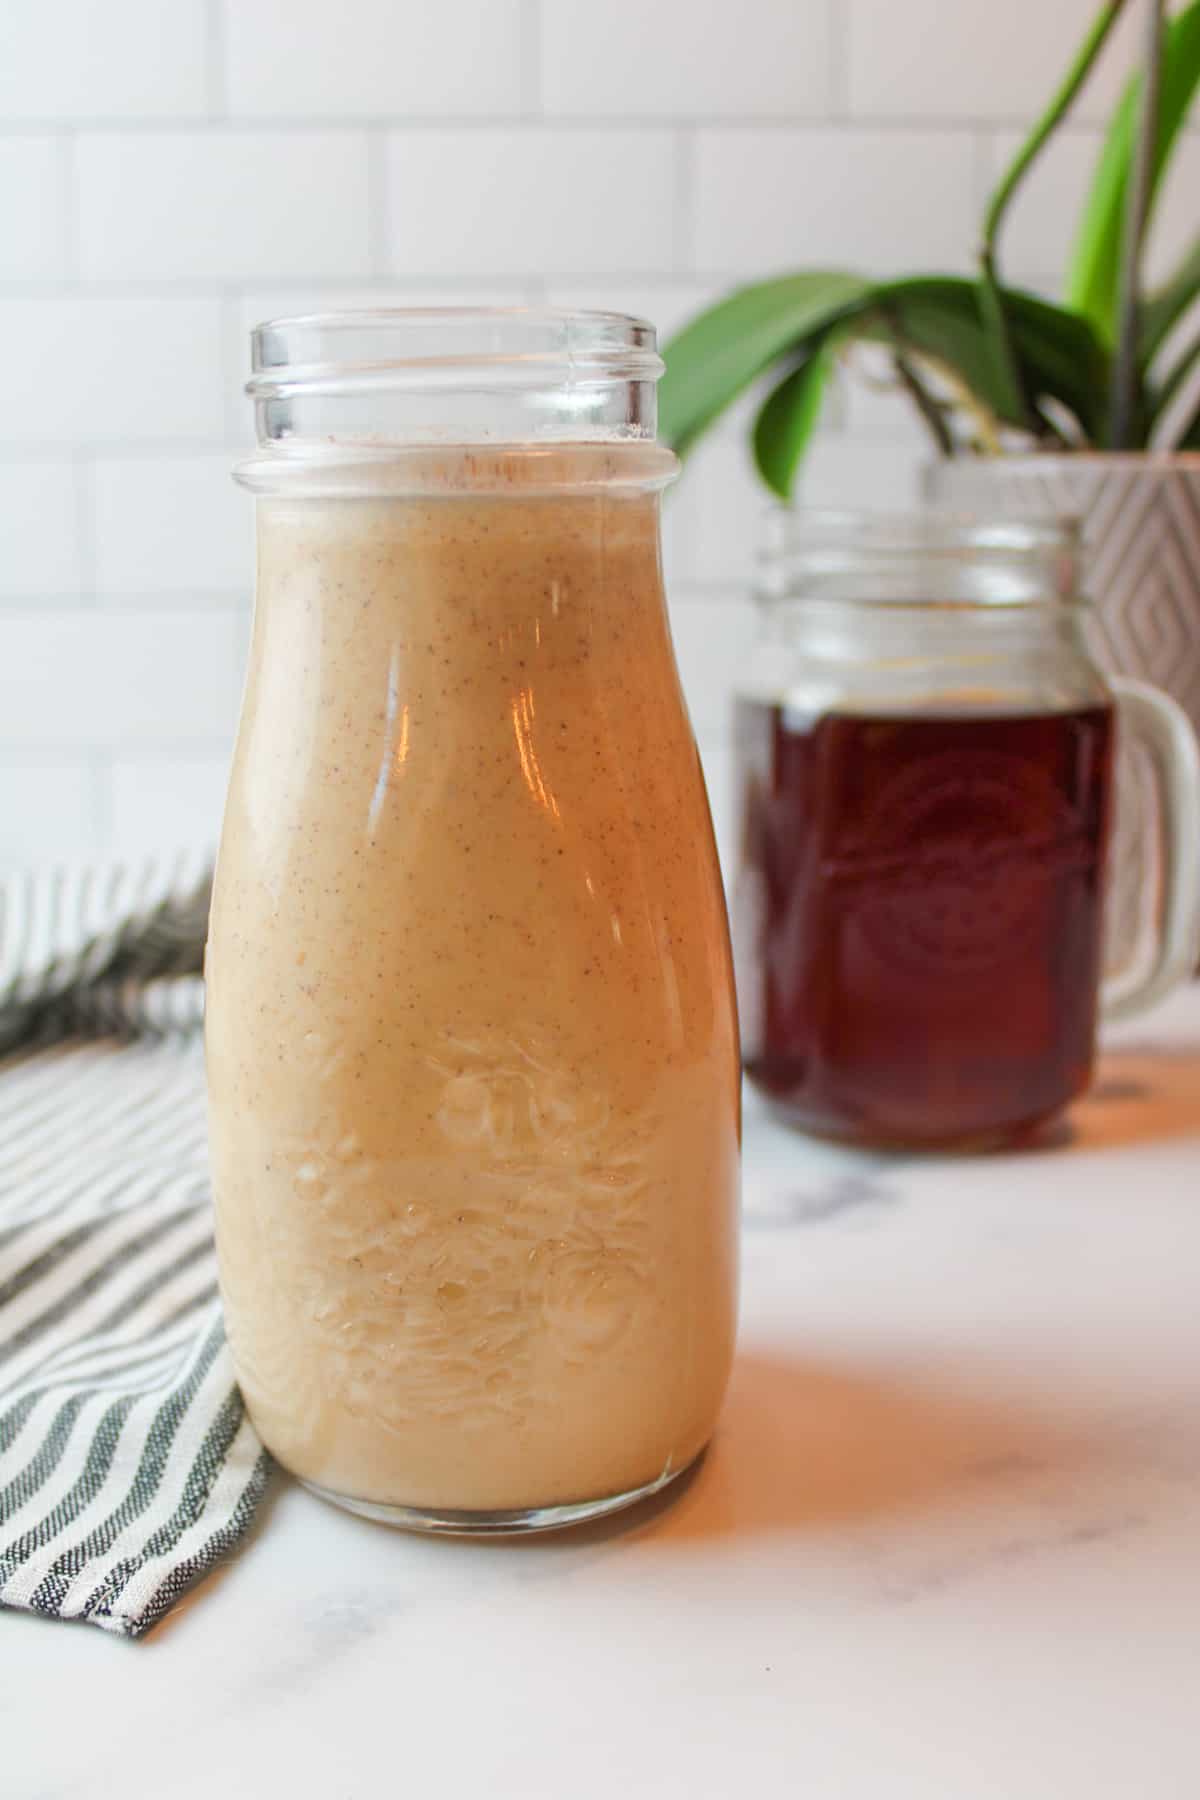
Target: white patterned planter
(1140, 519)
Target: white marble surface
(946, 1546)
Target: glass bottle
(471, 1037)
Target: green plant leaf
(1163, 309)
(1008, 368)
(940, 317)
(725, 348)
(1059, 353)
(787, 420)
(1066, 359)
(1093, 274)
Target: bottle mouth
(929, 556)
(362, 387)
(451, 348)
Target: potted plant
(1090, 404)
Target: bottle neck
(463, 471)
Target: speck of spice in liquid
(476, 1172)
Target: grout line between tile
(982, 159)
(103, 799)
(838, 68)
(532, 104)
(633, 123)
(215, 83)
(378, 203)
(68, 177)
(83, 476)
(683, 210)
(121, 603)
(234, 368)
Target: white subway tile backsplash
(883, 202)
(132, 676)
(171, 524)
(47, 811)
(975, 59)
(85, 370)
(390, 58)
(122, 59)
(164, 800)
(506, 203)
(33, 209)
(713, 634)
(1176, 220)
(39, 537)
(873, 477)
(174, 171)
(714, 522)
(716, 758)
(714, 519)
(870, 405)
(249, 205)
(629, 59)
(667, 304)
(1040, 228)
(296, 300)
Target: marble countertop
(945, 1547)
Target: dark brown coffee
(918, 918)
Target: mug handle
(1150, 717)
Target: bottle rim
(384, 399)
(462, 347)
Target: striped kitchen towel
(87, 948)
(127, 1464)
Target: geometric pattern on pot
(1141, 530)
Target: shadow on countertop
(804, 1445)
(1144, 1093)
(808, 1444)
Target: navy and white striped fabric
(86, 949)
(127, 1464)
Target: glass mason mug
(471, 1037)
(924, 753)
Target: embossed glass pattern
(471, 1039)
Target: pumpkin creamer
(471, 1043)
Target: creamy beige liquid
(471, 1042)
